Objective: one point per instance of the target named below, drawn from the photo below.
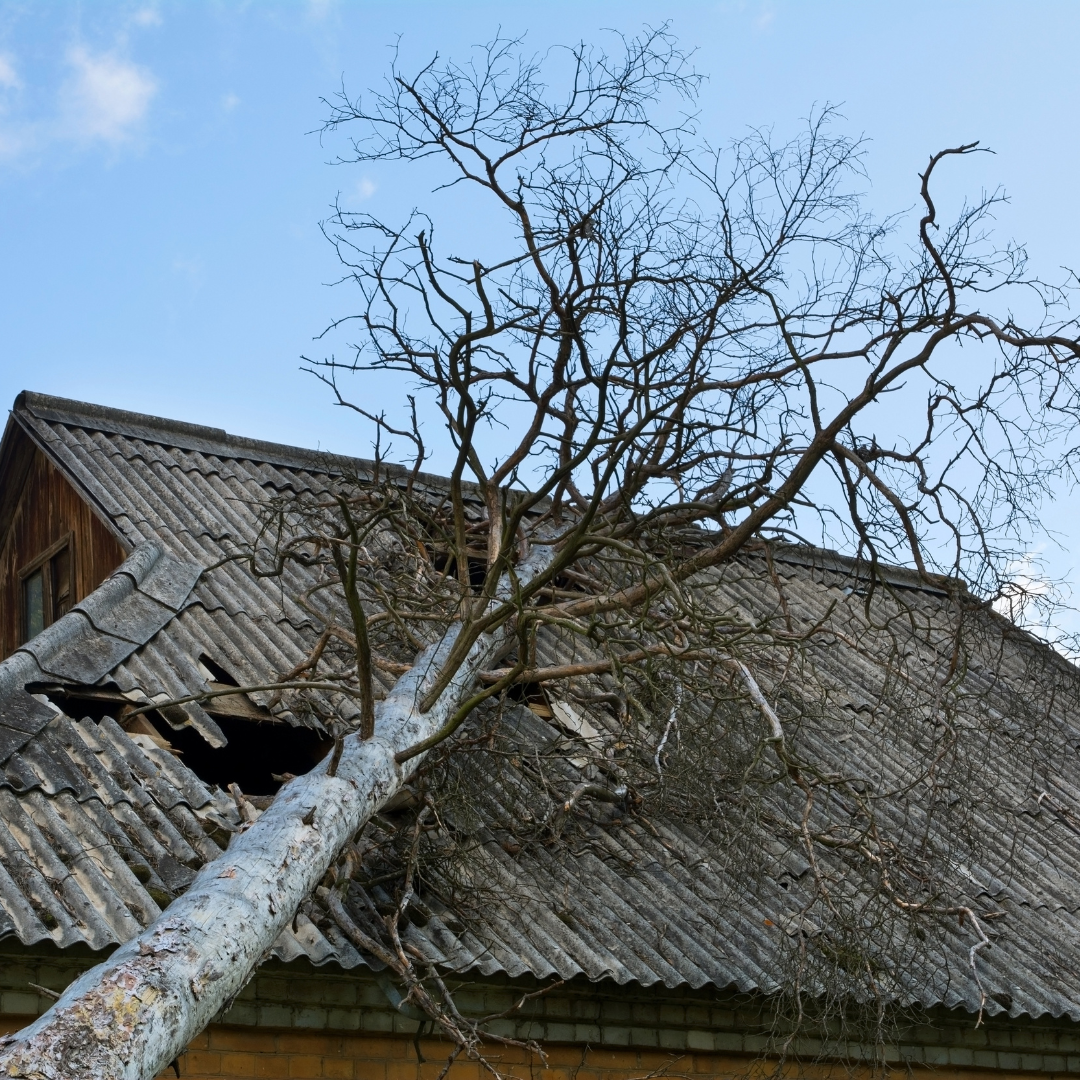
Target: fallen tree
(688, 362)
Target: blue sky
(161, 186)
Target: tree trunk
(134, 1014)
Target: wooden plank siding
(38, 508)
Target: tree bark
(134, 1014)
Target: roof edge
(201, 438)
(22, 422)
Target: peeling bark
(132, 1015)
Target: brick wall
(237, 1052)
(297, 1020)
(228, 1052)
(224, 1052)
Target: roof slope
(96, 829)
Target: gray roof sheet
(97, 831)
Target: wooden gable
(46, 526)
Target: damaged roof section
(100, 632)
(101, 825)
(99, 833)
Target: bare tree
(665, 357)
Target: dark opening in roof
(255, 753)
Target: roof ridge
(199, 437)
(220, 443)
(49, 407)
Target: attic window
(46, 588)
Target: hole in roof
(531, 695)
(447, 564)
(256, 750)
(438, 547)
(79, 702)
(239, 706)
(215, 671)
(255, 753)
(572, 582)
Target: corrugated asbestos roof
(98, 829)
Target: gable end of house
(55, 549)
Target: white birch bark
(134, 1014)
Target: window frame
(42, 562)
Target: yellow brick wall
(223, 1052)
(238, 1052)
(227, 1052)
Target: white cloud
(1027, 594)
(147, 16)
(9, 77)
(229, 102)
(106, 97)
(365, 189)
